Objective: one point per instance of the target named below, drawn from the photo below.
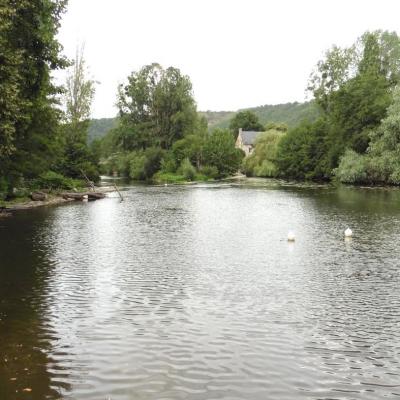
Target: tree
(220, 152)
(262, 162)
(383, 157)
(78, 98)
(353, 88)
(156, 108)
(79, 92)
(29, 119)
(246, 120)
(10, 81)
(301, 152)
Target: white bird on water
(291, 237)
(348, 233)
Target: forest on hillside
(290, 114)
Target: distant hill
(99, 127)
(288, 113)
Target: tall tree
(219, 151)
(353, 87)
(30, 52)
(156, 108)
(79, 92)
(78, 98)
(246, 120)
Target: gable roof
(249, 137)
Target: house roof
(249, 137)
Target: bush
(352, 168)
(3, 188)
(168, 177)
(53, 181)
(266, 169)
(209, 171)
(152, 164)
(168, 163)
(187, 170)
(220, 152)
(136, 166)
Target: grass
(169, 177)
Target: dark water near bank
(194, 293)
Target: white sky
(237, 53)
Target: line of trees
(160, 134)
(40, 144)
(356, 138)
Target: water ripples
(194, 293)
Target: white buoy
(348, 233)
(291, 237)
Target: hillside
(98, 128)
(288, 113)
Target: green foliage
(301, 152)
(169, 163)
(28, 116)
(54, 181)
(280, 127)
(78, 159)
(190, 147)
(246, 120)
(156, 108)
(290, 114)
(352, 168)
(262, 162)
(168, 177)
(353, 87)
(381, 163)
(209, 171)
(98, 128)
(137, 166)
(79, 91)
(187, 170)
(3, 188)
(220, 152)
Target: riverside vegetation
(350, 132)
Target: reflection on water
(194, 293)
(26, 332)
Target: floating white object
(348, 232)
(291, 237)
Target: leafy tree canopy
(246, 120)
(156, 108)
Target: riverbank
(51, 200)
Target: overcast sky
(237, 53)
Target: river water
(193, 292)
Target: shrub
(352, 168)
(3, 188)
(187, 170)
(136, 166)
(168, 163)
(209, 171)
(52, 180)
(266, 169)
(219, 151)
(152, 164)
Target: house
(246, 141)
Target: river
(194, 292)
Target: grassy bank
(169, 177)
